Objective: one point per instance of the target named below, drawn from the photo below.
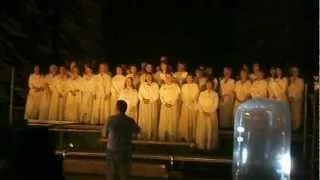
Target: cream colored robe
(202, 81)
(74, 100)
(35, 83)
(118, 82)
(148, 112)
(227, 103)
(46, 97)
(58, 98)
(242, 91)
(169, 94)
(278, 88)
(295, 91)
(180, 77)
(88, 90)
(187, 122)
(207, 125)
(259, 89)
(102, 99)
(130, 96)
(160, 77)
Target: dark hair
(121, 106)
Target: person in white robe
(58, 98)
(130, 95)
(133, 73)
(169, 95)
(201, 79)
(295, 94)
(74, 97)
(259, 87)
(255, 69)
(148, 108)
(160, 76)
(277, 87)
(181, 74)
(148, 69)
(35, 84)
(242, 89)
(118, 82)
(47, 93)
(88, 90)
(187, 122)
(227, 85)
(102, 96)
(207, 122)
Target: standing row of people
(166, 105)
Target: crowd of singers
(167, 105)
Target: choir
(167, 105)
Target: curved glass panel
(262, 139)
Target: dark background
(220, 32)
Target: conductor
(119, 129)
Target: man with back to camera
(119, 129)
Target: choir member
(148, 109)
(277, 87)
(130, 95)
(259, 87)
(209, 75)
(181, 74)
(160, 76)
(295, 93)
(47, 93)
(256, 69)
(133, 73)
(142, 68)
(88, 89)
(227, 85)
(74, 97)
(169, 95)
(102, 97)
(207, 123)
(148, 69)
(201, 79)
(59, 92)
(189, 97)
(273, 74)
(35, 85)
(242, 89)
(163, 59)
(118, 82)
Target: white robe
(180, 77)
(88, 90)
(242, 92)
(259, 89)
(207, 125)
(187, 122)
(74, 100)
(46, 97)
(169, 94)
(277, 88)
(58, 98)
(160, 77)
(295, 93)
(130, 96)
(118, 82)
(148, 112)
(35, 83)
(102, 99)
(226, 102)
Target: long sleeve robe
(242, 92)
(295, 94)
(35, 83)
(277, 88)
(226, 102)
(74, 100)
(88, 90)
(148, 112)
(187, 122)
(46, 97)
(207, 122)
(259, 89)
(169, 95)
(102, 99)
(130, 96)
(58, 98)
(118, 82)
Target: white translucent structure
(262, 140)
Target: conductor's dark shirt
(120, 130)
